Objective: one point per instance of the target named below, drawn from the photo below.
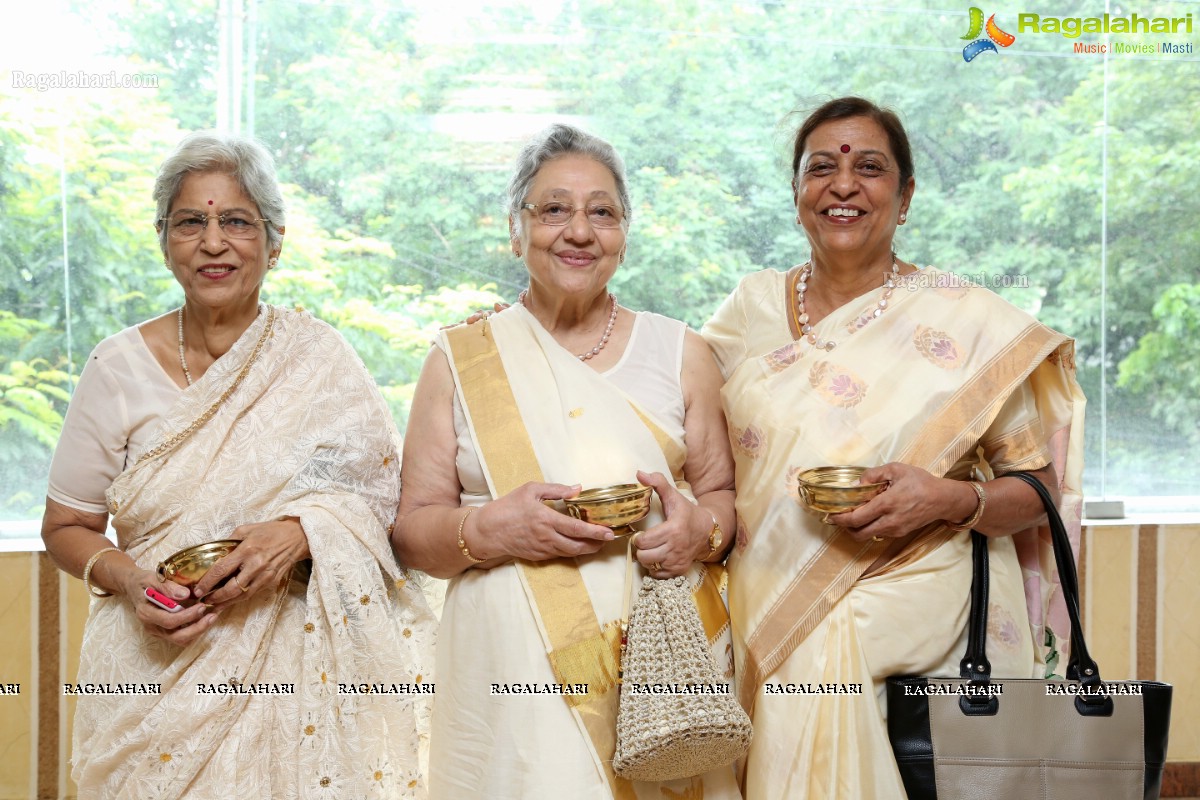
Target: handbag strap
(1081, 666)
(975, 663)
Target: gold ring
(876, 539)
(239, 584)
(656, 566)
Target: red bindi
(845, 149)
(210, 201)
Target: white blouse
(122, 395)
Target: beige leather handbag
(1026, 739)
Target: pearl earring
(272, 262)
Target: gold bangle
(972, 520)
(87, 572)
(462, 544)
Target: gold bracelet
(87, 572)
(972, 520)
(462, 544)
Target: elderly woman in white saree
(563, 389)
(942, 387)
(230, 419)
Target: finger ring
(656, 566)
(239, 584)
(826, 520)
(873, 539)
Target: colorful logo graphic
(995, 36)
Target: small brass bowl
(613, 506)
(833, 490)
(190, 564)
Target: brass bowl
(190, 564)
(612, 506)
(833, 490)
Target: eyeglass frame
(220, 225)
(533, 207)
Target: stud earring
(272, 262)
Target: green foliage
(33, 399)
(1163, 365)
(394, 127)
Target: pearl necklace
(870, 313)
(182, 359)
(612, 320)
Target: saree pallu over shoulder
(287, 424)
(921, 384)
(535, 413)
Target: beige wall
(1141, 612)
(42, 613)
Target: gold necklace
(182, 360)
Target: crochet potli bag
(664, 731)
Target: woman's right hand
(178, 627)
(520, 525)
(482, 314)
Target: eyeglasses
(559, 214)
(183, 226)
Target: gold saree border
(489, 398)
(829, 575)
(580, 652)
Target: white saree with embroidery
(252, 708)
(527, 410)
(950, 378)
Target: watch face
(715, 538)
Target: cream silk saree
(530, 411)
(950, 378)
(287, 423)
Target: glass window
(1059, 175)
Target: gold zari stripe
(579, 651)
(944, 439)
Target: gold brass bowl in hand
(834, 490)
(190, 564)
(616, 507)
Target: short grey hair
(555, 142)
(242, 157)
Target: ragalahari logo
(994, 37)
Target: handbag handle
(1080, 667)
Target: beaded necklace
(612, 320)
(871, 312)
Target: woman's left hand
(912, 499)
(682, 538)
(263, 560)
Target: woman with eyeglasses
(564, 390)
(231, 419)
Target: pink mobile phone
(161, 600)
